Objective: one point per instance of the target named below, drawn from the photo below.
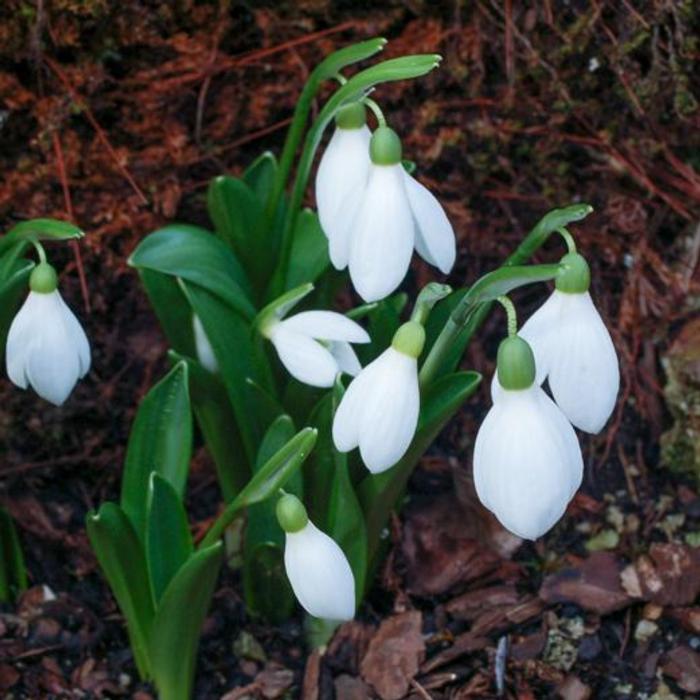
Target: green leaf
(160, 441)
(123, 563)
(260, 176)
(178, 623)
(342, 58)
(278, 308)
(40, 230)
(238, 218)
(195, 255)
(309, 257)
(215, 417)
(265, 585)
(379, 494)
(13, 573)
(168, 538)
(267, 481)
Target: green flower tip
(409, 339)
(574, 276)
(43, 279)
(291, 513)
(515, 364)
(385, 146)
(351, 116)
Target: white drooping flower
(527, 460)
(344, 165)
(379, 411)
(316, 566)
(46, 346)
(574, 352)
(378, 225)
(315, 345)
(205, 352)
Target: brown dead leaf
(688, 617)
(594, 585)
(394, 655)
(683, 665)
(351, 688)
(573, 688)
(8, 676)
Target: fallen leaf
(594, 585)
(683, 665)
(350, 688)
(394, 655)
(573, 688)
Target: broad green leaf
(172, 309)
(13, 573)
(195, 255)
(160, 441)
(239, 360)
(168, 538)
(267, 481)
(379, 494)
(267, 591)
(178, 623)
(40, 230)
(12, 290)
(216, 420)
(260, 176)
(346, 521)
(238, 218)
(309, 257)
(264, 404)
(123, 562)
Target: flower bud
(43, 279)
(516, 364)
(409, 339)
(575, 275)
(385, 147)
(351, 116)
(291, 514)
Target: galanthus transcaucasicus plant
(283, 384)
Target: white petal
(435, 239)
(524, 465)
(584, 375)
(18, 339)
(326, 325)
(76, 332)
(340, 241)
(343, 169)
(320, 575)
(305, 359)
(345, 357)
(390, 413)
(205, 352)
(382, 235)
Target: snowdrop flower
(378, 225)
(318, 571)
(573, 349)
(527, 461)
(205, 352)
(345, 164)
(379, 410)
(46, 345)
(315, 345)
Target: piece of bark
(683, 665)
(394, 655)
(594, 585)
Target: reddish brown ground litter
(117, 114)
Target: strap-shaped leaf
(216, 420)
(265, 585)
(123, 562)
(379, 494)
(309, 257)
(168, 538)
(195, 255)
(178, 623)
(267, 481)
(13, 574)
(160, 441)
(260, 176)
(40, 230)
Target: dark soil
(116, 115)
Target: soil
(115, 115)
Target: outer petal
(76, 332)
(390, 413)
(382, 234)
(584, 375)
(320, 574)
(435, 238)
(205, 352)
(326, 325)
(343, 169)
(345, 357)
(305, 359)
(523, 468)
(19, 338)
(340, 240)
